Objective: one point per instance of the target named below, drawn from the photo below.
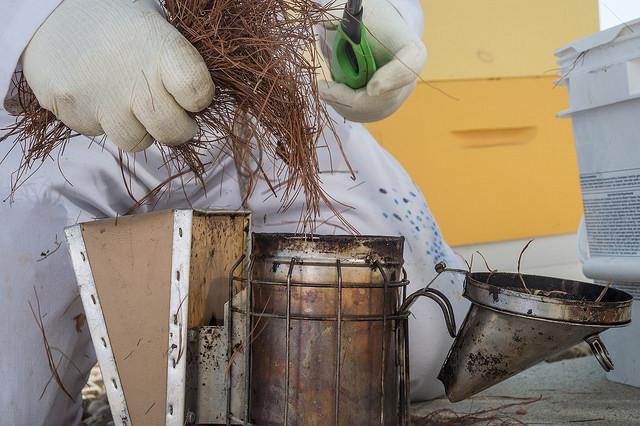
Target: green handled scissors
(352, 62)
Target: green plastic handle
(352, 63)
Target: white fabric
(19, 19)
(134, 92)
(400, 55)
(86, 183)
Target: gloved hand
(118, 67)
(400, 55)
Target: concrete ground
(568, 392)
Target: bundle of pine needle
(263, 59)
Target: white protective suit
(85, 182)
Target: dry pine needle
(264, 61)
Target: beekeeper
(85, 60)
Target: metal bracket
(177, 348)
(95, 318)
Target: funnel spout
(508, 329)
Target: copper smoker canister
(324, 316)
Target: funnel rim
(555, 320)
(505, 296)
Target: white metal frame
(97, 325)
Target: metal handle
(440, 299)
(437, 297)
(600, 352)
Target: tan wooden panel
(130, 259)
(217, 243)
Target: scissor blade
(352, 20)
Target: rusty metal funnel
(508, 330)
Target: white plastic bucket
(602, 75)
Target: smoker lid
(388, 249)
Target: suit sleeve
(19, 20)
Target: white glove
(118, 67)
(400, 55)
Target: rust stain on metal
(489, 366)
(314, 347)
(508, 329)
(371, 248)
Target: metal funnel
(508, 330)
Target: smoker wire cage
(326, 335)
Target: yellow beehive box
(479, 135)
(494, 163)
(470, 39)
